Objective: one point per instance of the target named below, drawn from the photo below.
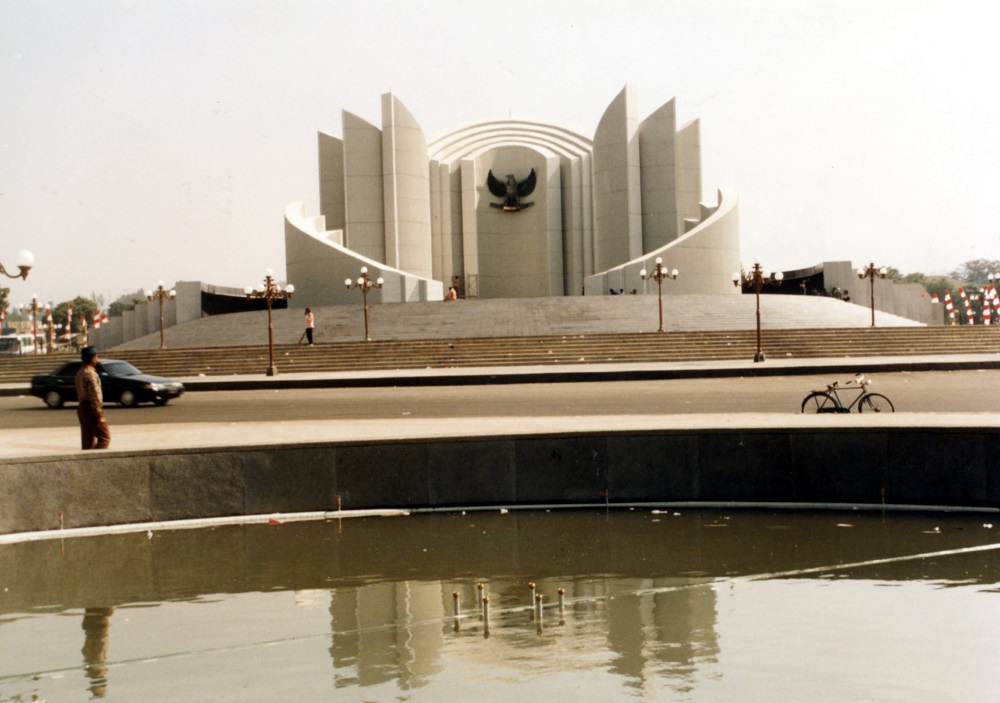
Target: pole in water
(531, 601)
(482, 591)
(538, 612)
(454, 595)
(486, 617)
(562, 606)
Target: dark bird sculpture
(511, 191)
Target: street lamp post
(871, 272)
(658, 274)
(161, 294)
(270, 291)
(32, 311)
(756, 279)
(364, 284)
(25, 260)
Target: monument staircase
(529, 332)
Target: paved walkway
(47, 442)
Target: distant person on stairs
(310, 324)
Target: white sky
(162, 139)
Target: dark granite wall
(900, 466)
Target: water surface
(661, 605)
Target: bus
(16, 345)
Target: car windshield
(121, 368)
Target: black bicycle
(829, 401)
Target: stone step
(529, 317)
(520, 351)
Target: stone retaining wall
(902, 466)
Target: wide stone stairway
(538, 332)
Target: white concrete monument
(511, 209)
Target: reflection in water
(95, 647)
(657, 605)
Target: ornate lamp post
(994, 281)
(162, 294)
(659, 274)
(32, 311)
(270, 291)
(25, 260)
(872, 273)
(756, 279)
(364, 284)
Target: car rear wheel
(127, 399)
(54, 399)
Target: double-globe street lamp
(364, 284)
(269, 291)
(32, 311)
(756, 278)
(25, 260)
(871, 272)
(162, 294)
(659, 274)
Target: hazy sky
(162, 139)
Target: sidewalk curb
(582, 373)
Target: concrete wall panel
(617, 187)
(364, 224)
(519, 254)
(331, 180)
(660, 217)
(930, 466)
(405, 171)
(688, 170)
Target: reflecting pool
(676, 605)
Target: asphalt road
(930, 391)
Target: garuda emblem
(511, 191)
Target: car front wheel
(127, 399)
(54, 399)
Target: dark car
(120, 383)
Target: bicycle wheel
(820, 402)
(875, 403)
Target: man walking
(94, 430)
(310, 324)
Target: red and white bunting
(968, 307)
(934, 298)
(86, 336)
(949, 308)
(68, 334)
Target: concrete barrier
(917, 466)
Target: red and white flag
(949, 307)
(83, 324)
(968, 307)
(69, 323)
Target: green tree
(976, 271)
(124, 304)
(4, 298)
(82, 308)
